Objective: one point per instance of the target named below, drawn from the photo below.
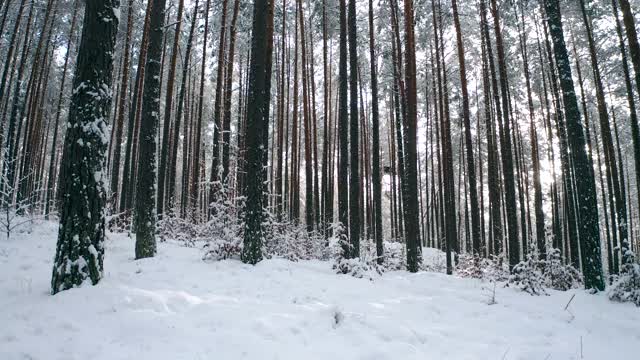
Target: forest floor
(176, 306)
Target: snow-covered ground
(175, 306)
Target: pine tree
(164, 150)
(504, 126)
(257, 122)
(145, 204)
(343, 121)
(585, 183)
(354, 169)
(471, 168)
(375, 126)
(115, 162)
(410, 127)
(80, 248)
(634, 51)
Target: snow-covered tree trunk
(145, 204)
(80, 249)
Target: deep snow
(175, 306)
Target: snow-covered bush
(363, 266)
(172, 227)
(17, 211)
(528, 276)
(433, 260)
(559, 276)
(358, 268)
(627, 287)
(119, 223)
(534, 274)
(290, 240)
(222, 250)
(395, 256)
(492, 268)
(469, 266)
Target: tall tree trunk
(145, 204)
(375, 125)
(607, 140)
(585, 183)
(12, 47)
(195, 175)
(217, 114)
(226, 125)
(168, 107)
(130, 157)
(354, 179)
(634, 50)
(257, 123)
(308, 176)
(80, 248)
(50, 181)
(473, 190)
(124, 91)
(343, 121)
(12, 139)
(507, 162)
(279, 194)
(173, 157)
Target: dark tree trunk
(308, 174)
(217, 114)
(257, 123)
(173, 157)
(493, 176)
(130, 157)
(80, 248)
(585, 183)
(507, 162)
(124, 91)
(145, 204)
(343, 121)
(54, 143)
(471, 169)
(194, 190)
(410, 127)
(375, 125)
(634, 50)
(226, 125)
(607, 140)
(354, 177)
(168, 103)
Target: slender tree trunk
(343, 121)
(634, 50)
(173, 156)
(145, 204)
(226, 127)
(217, 114)
(473, 192)
(308, 177)
(124, 91)
(354, 178)
(168, 103)
(130, 158)
(507, 162)
(195, 185)
(375, 125)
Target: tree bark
(80, 247)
